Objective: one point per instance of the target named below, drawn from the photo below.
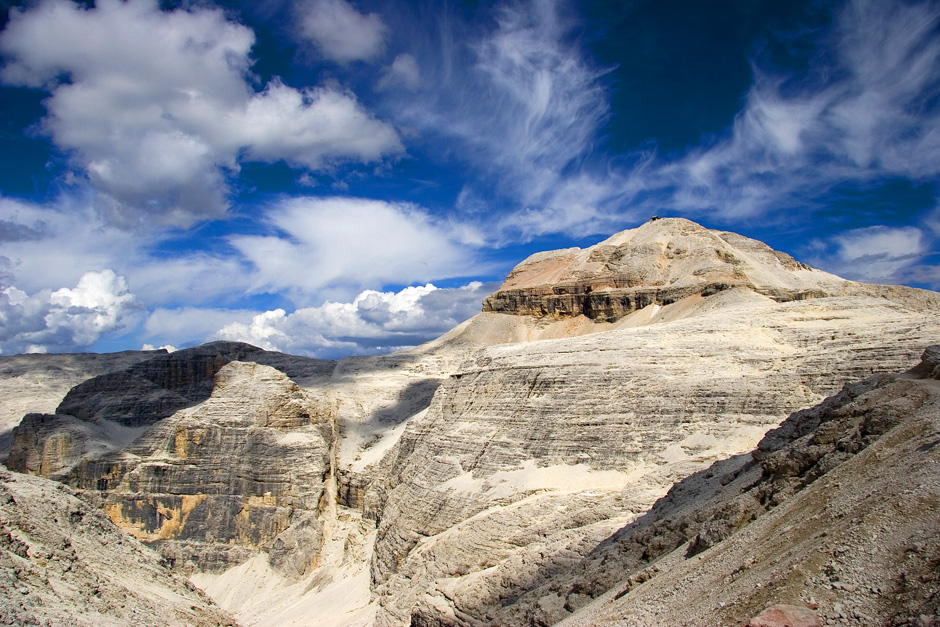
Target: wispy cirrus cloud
(875, 254)
(533, 114)
(157, 109)
(520, 103)
(865, 110)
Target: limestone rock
(524, 430)
(505, 473)
(841, 498)
(37, 383)
(786, 616)
(659, 263)
(64, 563)
(233, 473)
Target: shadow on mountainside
(411, 400)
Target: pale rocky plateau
(676, 426)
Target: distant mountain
(478, 479)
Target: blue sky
(335, 177)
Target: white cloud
(68, 318)
(186, 326)
(403, 72)
(52, 245)
(158, 110)
(340, 32)
(373, 322)
(166, 347)
(876, 254)
(530, 107)
(346, 244)
(523, 110)
(311, 127)
(64, 241)
(863, 111)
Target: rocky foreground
(507, 473)
(65, 563)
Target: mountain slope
(837, 508)
(65, 563)
(443, 485)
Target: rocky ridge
(665, 261)
(38, 383)
(443, 485)
(532, 454)
(65, 563)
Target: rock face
(38, 383)
(532, 454)
(659, 263)
(65, 563)
(251, 465)
(493, 476)
(206, 457)
(836, 509)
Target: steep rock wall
(659, 263)
(64, 563)
(598, 427)
(37, 383)
(244, 470)
(834, 512)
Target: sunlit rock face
(533, 452)
(833, 512)
(659, 263)
(445, 485)
(207, 457)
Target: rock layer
(659, 263)
(38, 383)
(835, 509)
(598, 427)
(64, 563)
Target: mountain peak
(661, 262)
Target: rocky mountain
(65, 563)
(37, 383)
(499, 474)
(835, 510)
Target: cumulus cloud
(158, 109)
(403, 72)
(66, 319)
(876, 254)
(340, 32)
(374, 322)
(344, 244)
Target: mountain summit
(661, 262)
